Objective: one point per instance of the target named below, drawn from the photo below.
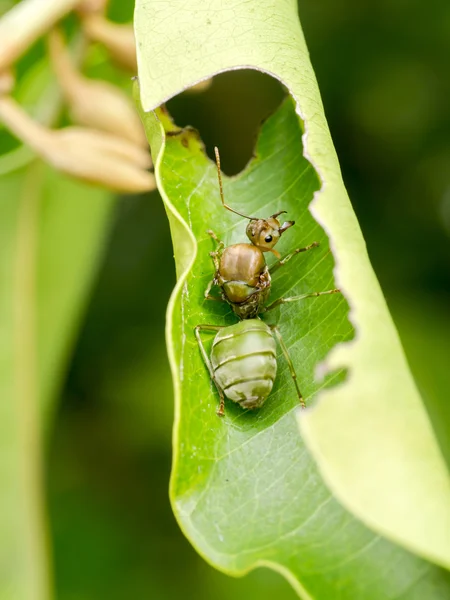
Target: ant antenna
(216, 151)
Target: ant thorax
(244, 279)
(242, 262)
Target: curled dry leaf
(92, 6)
(7, 81)
(93, 156)
(118, 39)
(25, 23)
(93, 103)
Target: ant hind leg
(290, 364)
(211, 328)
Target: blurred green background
(383, 73)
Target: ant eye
(268, 239)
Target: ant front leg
(215, 255)
(284, 260)
(214, 237)
(218, 251)
(295, 298)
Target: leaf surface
(244, 488)
(371, 437)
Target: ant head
(265, 233)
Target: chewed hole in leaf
(228, 113)
(278, 177)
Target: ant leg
(215, 255)
(197, 330)
(208, 295)
(214, 237)
(220, 244)
(284, 260)
(208, 289)
(289, 362)
(295, 298)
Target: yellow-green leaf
(52, 231)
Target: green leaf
(370, 436)
(244, 488)
(52, 231)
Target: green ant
(243, 361)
